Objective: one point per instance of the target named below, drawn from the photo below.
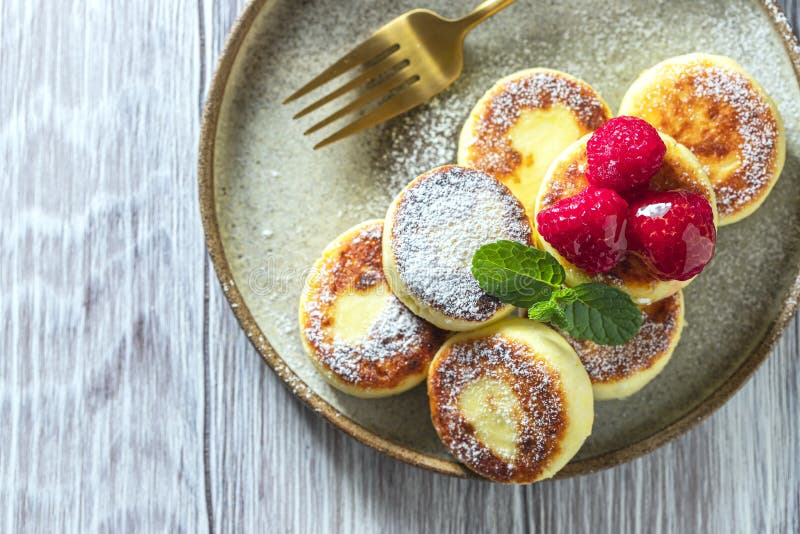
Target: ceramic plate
(270, 203)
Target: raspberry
(588, 229)
(673, 232)
(624, 154)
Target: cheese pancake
(432, 230)
(717, 110)
(359, 336)
(511, 401)
(617, 371)
(521, 124)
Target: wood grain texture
(130, 403)
(101, 396)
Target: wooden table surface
(131, 401)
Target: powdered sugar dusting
(755, 124)
(540, 419)
(396, 331)
(397, 342)
(657, 335)
(723, 118)
(490, 149)
(541, 90)
(440, 221)
(412, 150)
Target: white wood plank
(275, 464)
(101, 297)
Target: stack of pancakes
(511, 398)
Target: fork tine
(392, 82)
(394, 106)
(373, 72)
(376, 45)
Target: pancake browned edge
(394, 353)
(523, 122)
(511, 401)
(721, 113)
(432, 230)
(567, 177)
(617, 371)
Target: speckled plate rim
(208, 133)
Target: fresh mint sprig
(531, 278)
(548, 311)
(517, 274)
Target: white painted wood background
(131, 401)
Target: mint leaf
(530, 278)
(517, 274)
(602, 314)
(565, 295)
(548, 311)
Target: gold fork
(405, 63)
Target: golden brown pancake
(432, 230)
(511, 401)
(617, 371)
(717, 110)
(359, 336)
(567, 177)
(523, 122)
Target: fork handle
(483, 12)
